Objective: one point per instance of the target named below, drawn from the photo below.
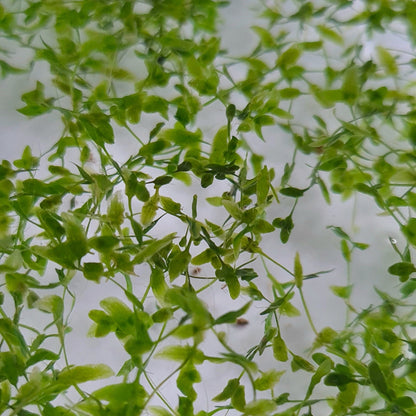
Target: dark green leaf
(230, 317)
(292, 192)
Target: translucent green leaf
(149, 209)
(82, 373)
(387, 61)
(93, 271)
(260, 407)
(345, 250)
(323, 369)
(268, 379)
(188, 375)
(233, 209)
(153, 148)
(152, 248)
(351, 84)
(36, 103)
(178, 264)
(42, 354)
(182, 137)
(216, 201)
(156, 104)
(122, 394)
(299, 363)
(289, 57)
(158, 284)
(330, 34)
(51, 304)
(409, 231)
(181, 353)
(11, 367)
(203, 258)
(159, 411)
(279, 348)
(265, 36)
(228, 391)
(238, 398)
(327, 98)
(342, 291)
(103, 244)
(170, 206)
(27, 161)
(115, 211)
(289, 93)
(219, 146)
(188, 301)
(298, 271)
(262, 186)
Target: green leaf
(343, 292)
(188, 376)
(293, 192)
(103, 244)
(227, 274)
(262, 186)
(230, 317)
(158, 284)
(170, 206)
(189, 302)
(116, 309)
(228, 390)
(279, 349)
(41, 354)
(149, 209)
(289, 57)
(233, 209)
(51, 304)
(268, 379)
(330, 34)
(182, 137)
(288, 93)
(93, 271)
(181, 353)
(299, 363)
(238, 398)
(156, 104)
(265, 36)
(82, 373)
(402, 269)
(152, 248)
(260, 407)
(122, 394)
(409, 231)
(298, 271)
(159, 411)
(324, 368)
(387, 61)
(115, 211)
(36, 103)
(178, 264)
(219, 146)
(11, 367)
(286, 226)
(378, 379)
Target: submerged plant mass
(163, 210)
